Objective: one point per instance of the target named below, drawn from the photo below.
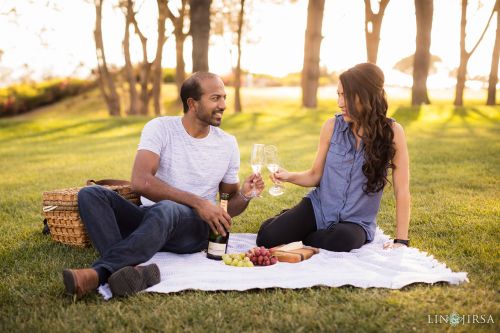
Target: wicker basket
(60, 210)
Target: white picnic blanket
(368, 267)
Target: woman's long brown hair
(367, 106)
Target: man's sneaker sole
(130, 280)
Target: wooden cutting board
(295, 255)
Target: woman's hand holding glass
(280, 176)
(273, 165)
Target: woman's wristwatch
(402, 241)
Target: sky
(277, 35)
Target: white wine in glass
(273, 165)
(257, 159)
(256, 168)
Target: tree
(422, 58)
(150, 73)
(464, 55)
(134, 103)
(312, 46)
(229, 22)
(373, 24)
(157, 72)
(493, 79)
(106, 82)
(200, 32)
(237, 71)
(405, 65)
(145, 70)
(180, 37)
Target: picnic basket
(61, 216)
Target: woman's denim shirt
(339, 196)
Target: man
(181, 164)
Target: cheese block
(292, 246)
(295, 255)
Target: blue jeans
(125, 234)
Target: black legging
(299, 224)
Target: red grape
(260, 256)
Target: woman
(356, 150)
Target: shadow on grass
(238, 121)
(464, 114)
(481, 114)
(80, 128)
(12, 124)
(406, 115)
(33, 246)
(298, 120)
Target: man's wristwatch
(402, 241)
(245, 198)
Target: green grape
(241, 259)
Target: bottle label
(216, 249)
(223, 205)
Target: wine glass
(257, 159)
(273, 165)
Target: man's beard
(209, 118)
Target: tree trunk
(493, 79)
(461, 74)
(237, 72)
(129, 70)
(312, 46)
(180, 37)
(106, 83)
(145, 71)
(180, 68)
(144, 81)
(157, 72)
(200, 32)
(462, 68)
(422, 58)
(373, 26)
(464, 55)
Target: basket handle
(48, 208)
(110, 182)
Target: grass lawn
(455, 178)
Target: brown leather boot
(130, 280)
(80, 282)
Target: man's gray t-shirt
(193, 165)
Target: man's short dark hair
(191, 87)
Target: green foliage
(405, 65)
(455, 217)
(168, 75)
(289, 80)
(21, 98)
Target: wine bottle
(217, 244)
